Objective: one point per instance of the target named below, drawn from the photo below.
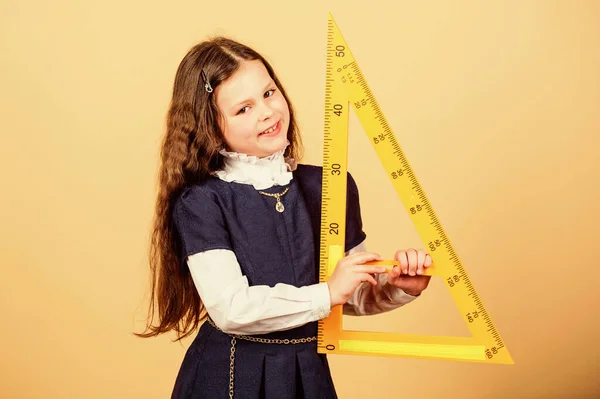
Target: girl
(236, 237)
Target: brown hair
(189, 154)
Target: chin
(270, 150)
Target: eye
(241, 111)
(270, 91)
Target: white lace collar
(261, 173)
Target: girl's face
(256, 116)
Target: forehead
(248, 81)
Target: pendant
(279, 206)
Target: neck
(261, 173)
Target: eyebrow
(248, 99)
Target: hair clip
(207, 85)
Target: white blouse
(238, 308)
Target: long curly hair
(189, 154)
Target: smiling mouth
(271, 129)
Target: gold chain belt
(254, 339)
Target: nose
(265, 111)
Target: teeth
(270, 130)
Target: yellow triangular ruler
(346, 87)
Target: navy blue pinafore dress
(271, 247)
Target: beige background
(495, 103)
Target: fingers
(362, 257)
(428, 261)
(348, 274)
(420, 261)
(412, 256)
(358, 261)
(403, 259)
(413, 262)
(371, 269)
(370, 279)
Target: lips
(272, 130)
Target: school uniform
(256, 269)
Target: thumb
(394, 273)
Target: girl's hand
(349, 273)
(408, 276)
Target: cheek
(282, 107)
(239, 129)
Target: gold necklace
(278, 205)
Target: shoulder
(199, 217)
(205, 188)
(205, 194)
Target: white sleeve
(368, 299)
(237, 308)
